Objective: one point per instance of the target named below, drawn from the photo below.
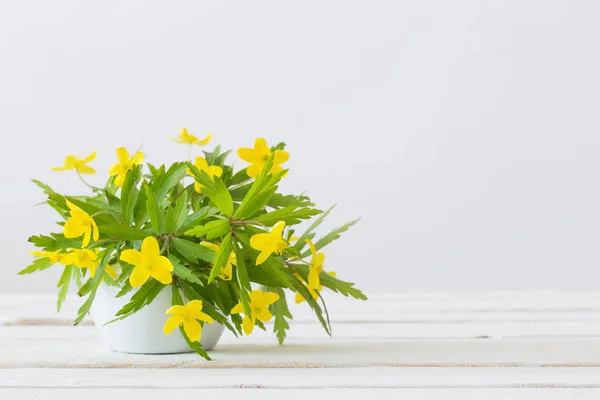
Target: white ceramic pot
(142, 332)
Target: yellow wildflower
(188, 316)
(187, 138)
(259, 306)
(269, 243)
(55, 257)
(316, 266)
(126, 162)
(74, 162)
(227, 270)
(211, 170)
(83, 258)
(79, 224)
(259, 155)
(148, 263)
(313, 292)
(109, 269)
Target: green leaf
(140, 211)
(193, 251)
(278, 200)
(155, 213)
(56, 241)
(91, 286)
(221, 257)
(39, 264)
(306, 235)
(178, 301)
(144, 296)
(215, 190)
(121, 231)
(281, 311)
(291, 215)
(197, 217)
(129, 193)
(174, 220)
(331, 236)
(211, 230)
(165, 181)
(263, 188)
(241, 270)
(183, 272)
(63, 284)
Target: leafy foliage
(179, 207)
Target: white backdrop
(465, 133)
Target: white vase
(142, 332)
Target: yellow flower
(211, 170)
(111, 271)
(148, 263)
(187, 138)
(125, 164)
(259, 155)
(188, 316)
(79, 224)
(83, 258)
(74, 162)
(55, 257)
(226, 270)
(269, 243)
(259, 305)
(313, 292)
(316, 266)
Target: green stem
(94, 188)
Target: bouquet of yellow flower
(208, 231)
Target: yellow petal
(238, 309)
(192, 329)
(194, 306)
(198, 187)
(132, 257)
(262, 257)
(201, 163)
(203, 317)
(139, 276)
(277, 229)
(71, 205)
(210, 245)
(138, 158)
(110, 271)
(264, 314)
(204, 141)
(261, 148)
(123, 155)
(89, 158)
(270, 298)
(313, 278)
(120, 179)
(299, 298)
(259, 241)
(226, 272)
(176, 310)
(86, 170)
(86, 237)
(177, 141)
(73, 228)
(253, 170)
(150, 248)
(92, 267)
(247, 155)
(247, 325)
(281, 156)
(95, 231)
(215, 170)
(172, 323)
(332, 273)
(313, 249)
(161, 270)
(114, 169)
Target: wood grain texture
(466, 345)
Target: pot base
(142, 332)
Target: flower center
(256, 310)
(281, 246)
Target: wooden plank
(318, 394)
(65, 347)
(304, 378)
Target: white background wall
(465, 133)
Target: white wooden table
(500, 345)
